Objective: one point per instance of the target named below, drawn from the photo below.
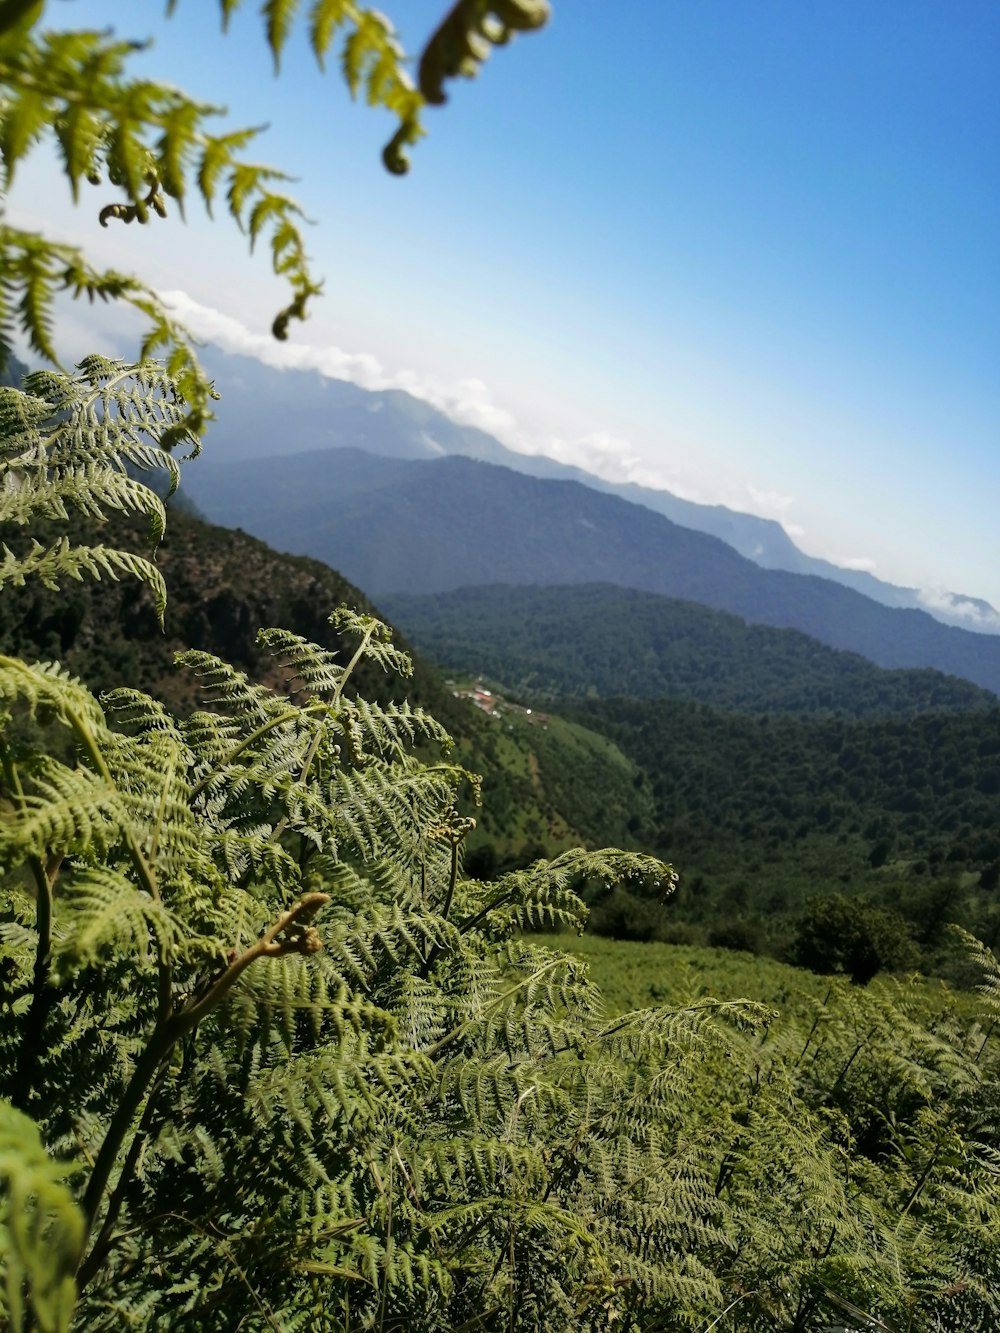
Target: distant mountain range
(289, 411)
(395, 526)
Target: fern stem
(282, 823)
(102, 1244)
(989, 1033)
(167, 1033)
(362, 648)
(158, 1048)
(843, 1073)
(918, 1188)
(437, 950)
(471, 922)
(812, 1030)
(744, 1295)
(452, 881)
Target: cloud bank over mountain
(470, 403)
(602, 454)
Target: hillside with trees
(415, 527)
(576, 641)
(764, 813)
(223, 585)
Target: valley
(766, 767)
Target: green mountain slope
(422, 527)
(223, 586)
(760, 813)
(576, 641)
(550, 784)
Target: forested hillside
(764, 813)
(573, 641)
(780, 770)
(224, 585)
(550, 786)
(394, 526)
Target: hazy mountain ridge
(298, 410)
(420, 527)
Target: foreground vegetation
(266, 1049)
(269, 1056)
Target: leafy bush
(838, 934)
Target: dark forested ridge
(422, 527)
(574, 641)
(224, 586)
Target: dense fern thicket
(595, 639)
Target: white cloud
(470, 402)
(769, 502)
(864, 563)
(976, 615)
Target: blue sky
(746, 250)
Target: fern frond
(375, 641)
(64, 811)
(463, 40)
(100, 908)
(50, 566)
(69, 441)
(41, 1228)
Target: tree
(839, 934)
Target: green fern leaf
(41, 1228)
